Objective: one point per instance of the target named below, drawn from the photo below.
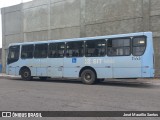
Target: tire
(43, 78)
(88, 77)
(26, 74)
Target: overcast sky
(5, 3)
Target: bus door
(74, 59)
(13, 57)
(124, 64)
(55, 60)
(40, 60)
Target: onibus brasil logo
(21, 114)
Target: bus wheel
(26, 74)
(88, 77)
(43, 78)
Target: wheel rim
(26, 74)
(87, 76)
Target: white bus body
(93, 58)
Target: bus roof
(85, 38)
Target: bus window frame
(35, 50)
(120, 47)
(32, 52)
(140, 46)
(96, 41)
(75, 56)
(56, 43)
(15, 60)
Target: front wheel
(88, 77)
(26, 74)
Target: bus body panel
(126, 66)
(104, 73)
(55, 67)
(32, 64)
(148, 58)
(42, 69)
(13, 68)
(11, 71)
(72, 66)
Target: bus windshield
(13, 55)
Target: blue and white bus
(92, 58)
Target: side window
(75, 49)
(119, 47)
(95, 48)
(41, 50)
(13, 55)
(56, 50)
(27, 51)
(139, 45)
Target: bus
(91, 59)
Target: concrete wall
(58, 19)
(155, 27)
(12, 31)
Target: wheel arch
(87, 67)
(22, 68)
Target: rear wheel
(88, 77)
(26, 74)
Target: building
(58, 19)
(0, 60)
